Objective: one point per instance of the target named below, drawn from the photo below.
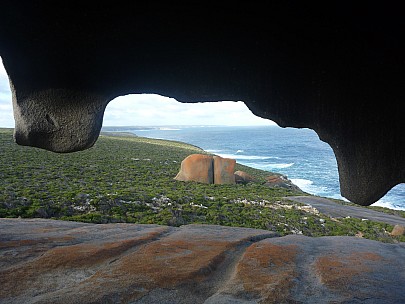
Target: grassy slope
(130, 179)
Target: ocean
(297, 153)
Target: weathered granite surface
(46, 261)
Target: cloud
(6, 107)
(152, 109)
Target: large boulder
(398, 230)
(241, 177)
(207, 169)
(277, 180)
(197, 168)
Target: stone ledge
(46, 261)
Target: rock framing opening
(335, 67)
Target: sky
(152, 110)
(6, 108)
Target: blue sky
(152, 110)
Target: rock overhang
(335, 68)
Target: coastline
(130, 179)
(308, 162)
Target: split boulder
(207, 169)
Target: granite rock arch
(337, 68)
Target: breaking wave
(278, 166)
(388, 205)
(246, 157)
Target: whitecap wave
(212, 150)
(300, 182)
(139, 130)
(168, 129)
(247, 157)
(389, 205)
(278, 166)
(240, 151)
(308, 186)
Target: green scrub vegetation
(130, 179)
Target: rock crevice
(207, 169)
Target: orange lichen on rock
(268, 270)
(187, 258)
(81, 258)
(21, 243)
(126, 263)
(338, 272)
(168, 263)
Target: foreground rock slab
(46, 261)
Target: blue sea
(298, 153)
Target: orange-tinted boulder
(198, 168)
(224, 169)
(242, 177)
(207, 169)
(398, 230)
(280, 181)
